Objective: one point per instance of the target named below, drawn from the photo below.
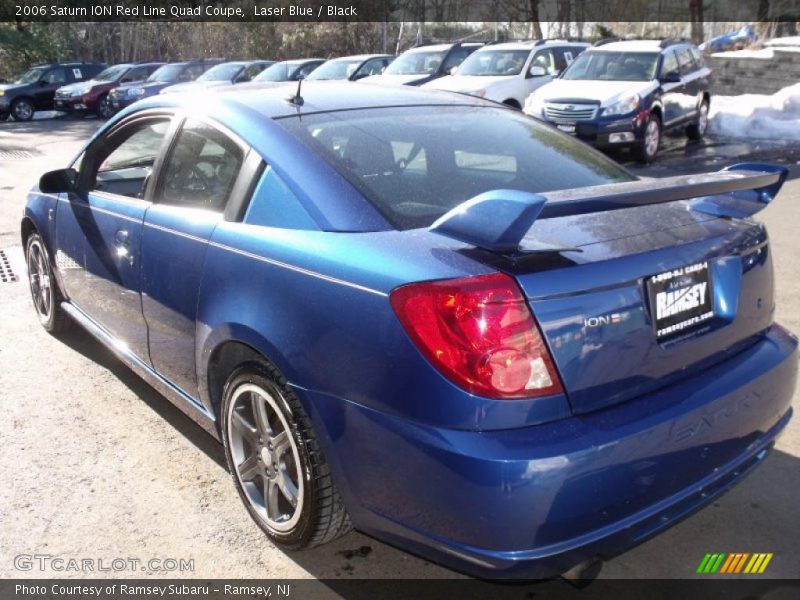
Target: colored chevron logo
(736, 562)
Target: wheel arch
(513, 102)
(230, 346)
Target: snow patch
(757, 116)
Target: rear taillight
(480, 333)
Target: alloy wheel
(40, 278)
(265, 456)
(651, 138)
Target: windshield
(166, 73)
(335, 69)
(112, 73)
(416, 163)
(416, 63)
(494, 62)
(613, 66)
(31, 76)
(224, 72)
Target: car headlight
(480, 93)
(534, 106)
(623, 106)
(2, 92)
(82, 91)
(136, 92)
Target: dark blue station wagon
(426, 316)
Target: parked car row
(614, 94)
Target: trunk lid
(597, 305)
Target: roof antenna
(297, 99)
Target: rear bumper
(533, 502)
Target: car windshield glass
(278, 72)
(225, 72)
(415, 63)
(31, 76)
(112, 73)
(613, 66)
(494, 62)
(166, 73)
(416, 163)
(335, 69)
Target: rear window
(416, 163)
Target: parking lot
(97, 464)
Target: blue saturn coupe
(426, 316)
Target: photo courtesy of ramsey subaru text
(426, 316)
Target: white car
(509, 72)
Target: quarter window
(201, 169)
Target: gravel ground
(96, 464)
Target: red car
(92, 96)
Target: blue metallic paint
(496, 488)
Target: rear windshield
(416, 163)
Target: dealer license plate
(681, 300)
(566, 128)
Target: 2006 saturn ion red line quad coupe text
(426, 316)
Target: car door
(692, 80)
(193, 188)
(99, 229)
(545, 59)
(672, 91)
(45, 90)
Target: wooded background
(23, 44)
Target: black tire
(46, 297)
(3, 116)
(104, 110)
(646, 150)
(319, 515)
(22, 109)
(698, 129)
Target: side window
(275, 205)
(563, 57)
(455, 58)
(306, 69)
(250, 72)
(138, 74)
(698, 58)
(124, 167)
(373, 67)
(544, 59)
(55, 76)
(685, 61)
(78, 74)
(201, 169)
(670, 64)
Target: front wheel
(697, 130)
(647, 148)
(276, 462)
(44, 288)
(104, 109)
(22, 109)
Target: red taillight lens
(480, 333)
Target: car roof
(269, 99)
(530, 44)
(442, 47)
(360, 57)
(631, 46)
(298, 61)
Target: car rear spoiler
(498, 220)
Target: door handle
(121, 236)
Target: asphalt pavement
(96, 464)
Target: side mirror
(59, 181)
(671, 77)
(537, 71)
